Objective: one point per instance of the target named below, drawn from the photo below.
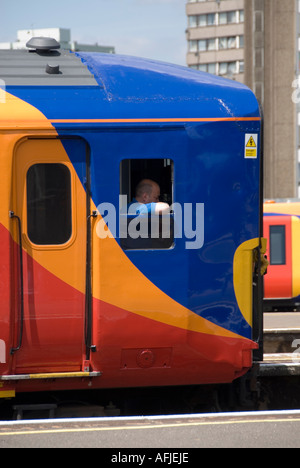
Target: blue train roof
(65, 85)
(146, 83)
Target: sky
(147, 28)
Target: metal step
(19, 409)
(280, 364)
(52, 375)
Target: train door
(48, 221)
(278, 281)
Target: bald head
(147, 191)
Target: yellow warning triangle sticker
(251, 143)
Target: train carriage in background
(282, 230)
(81, 308)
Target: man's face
(153, 197)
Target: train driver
(147, 195)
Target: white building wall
(61, 35)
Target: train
(282, 230)
(94, 296)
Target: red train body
(282, 230)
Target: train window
(277, 245)
(146, 231)
(49, 218)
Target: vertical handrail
(88, 283)
(258, 328)
(20, 335)
(88, 295)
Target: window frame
(283, 253)
(156, 243)
(72, 237)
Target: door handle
(20, 334)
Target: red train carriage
(282, 229)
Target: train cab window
(145, 230)
(49, 217)
(277, 245)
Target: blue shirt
(140, 208)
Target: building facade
(61, 35)
(271, 67)
(215, 37)
(256, 42)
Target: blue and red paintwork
(165, 317)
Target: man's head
(147, 191)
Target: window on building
(227, 42)
(231, 17)
(221, 43)
(203, 45)
(49, 208)
(211, 19)
(211, 68)
(227, 68)
(193, 46)
(211, 44)
(232, 42)
(277, 245)
(227, 17)
(207, 67)
(223, 68)
(193, 21)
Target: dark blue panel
(209, 168)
